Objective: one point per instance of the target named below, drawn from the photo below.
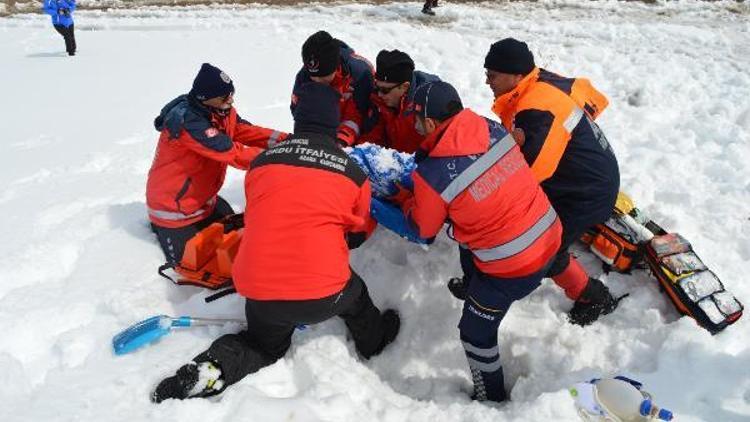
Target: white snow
(78, 262)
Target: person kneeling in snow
(396, 81)
(471, 173)
(552, 119)
(305, 201)
(327, 60)
(201, 134)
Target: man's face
(326, 80)
(501, 83)
(424, 126)
(220, 104)
(391, 92)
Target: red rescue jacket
(475, 176)
(305, 199)
(194, 149)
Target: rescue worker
(201, 134)
(304, 197)
(552, 118)
(471, 173)
(330, 61)
(395, 84)
(61, 12)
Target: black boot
(458, 287)
(427, 9)
(184, 384)
(595, 301)
(391, 325)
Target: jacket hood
(463, 134)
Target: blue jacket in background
(61, 11)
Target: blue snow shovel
(151, 329)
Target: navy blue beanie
(317, 109)
(211, 82)
(510, 56)
(321, 54)
(437, 100)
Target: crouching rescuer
(471, 173)
(307, 204)
(552, 119)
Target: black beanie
(437, 100)
(321, 54)
(317, 109)
(510, 56)
(211, 82)
(394, 66)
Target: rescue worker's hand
(519, 136)
(401, 195)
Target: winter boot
(192, 380)
(427, 8)
(458, 287)
(391, 325)
(595, 301)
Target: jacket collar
(506, 103)
(463, 134)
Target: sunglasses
(386, 91)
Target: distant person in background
(428, 5)
(62, 19)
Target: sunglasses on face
(386, 90)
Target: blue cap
(437, 100)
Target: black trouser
(570, 234)
(69, 36)
(172, 241)
(270, 325)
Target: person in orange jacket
(330, 61)
(471, 173)
(201, 134)
(305, 197)
(552, 119)
(396, 81)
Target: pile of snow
(77, 261)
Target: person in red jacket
(306, 200)
(330, 61)
(471, 173)
(396, 81)
(201, 134)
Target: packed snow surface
(78, 262)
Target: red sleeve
(351, 122)
(238, 156)
(426, 209)
(256, 136)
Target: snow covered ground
(78, 262)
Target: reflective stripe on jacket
(474, 176)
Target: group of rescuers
(517, 194)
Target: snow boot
(192, 380)
(595, 301)
(391, 325)
(458, 287)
